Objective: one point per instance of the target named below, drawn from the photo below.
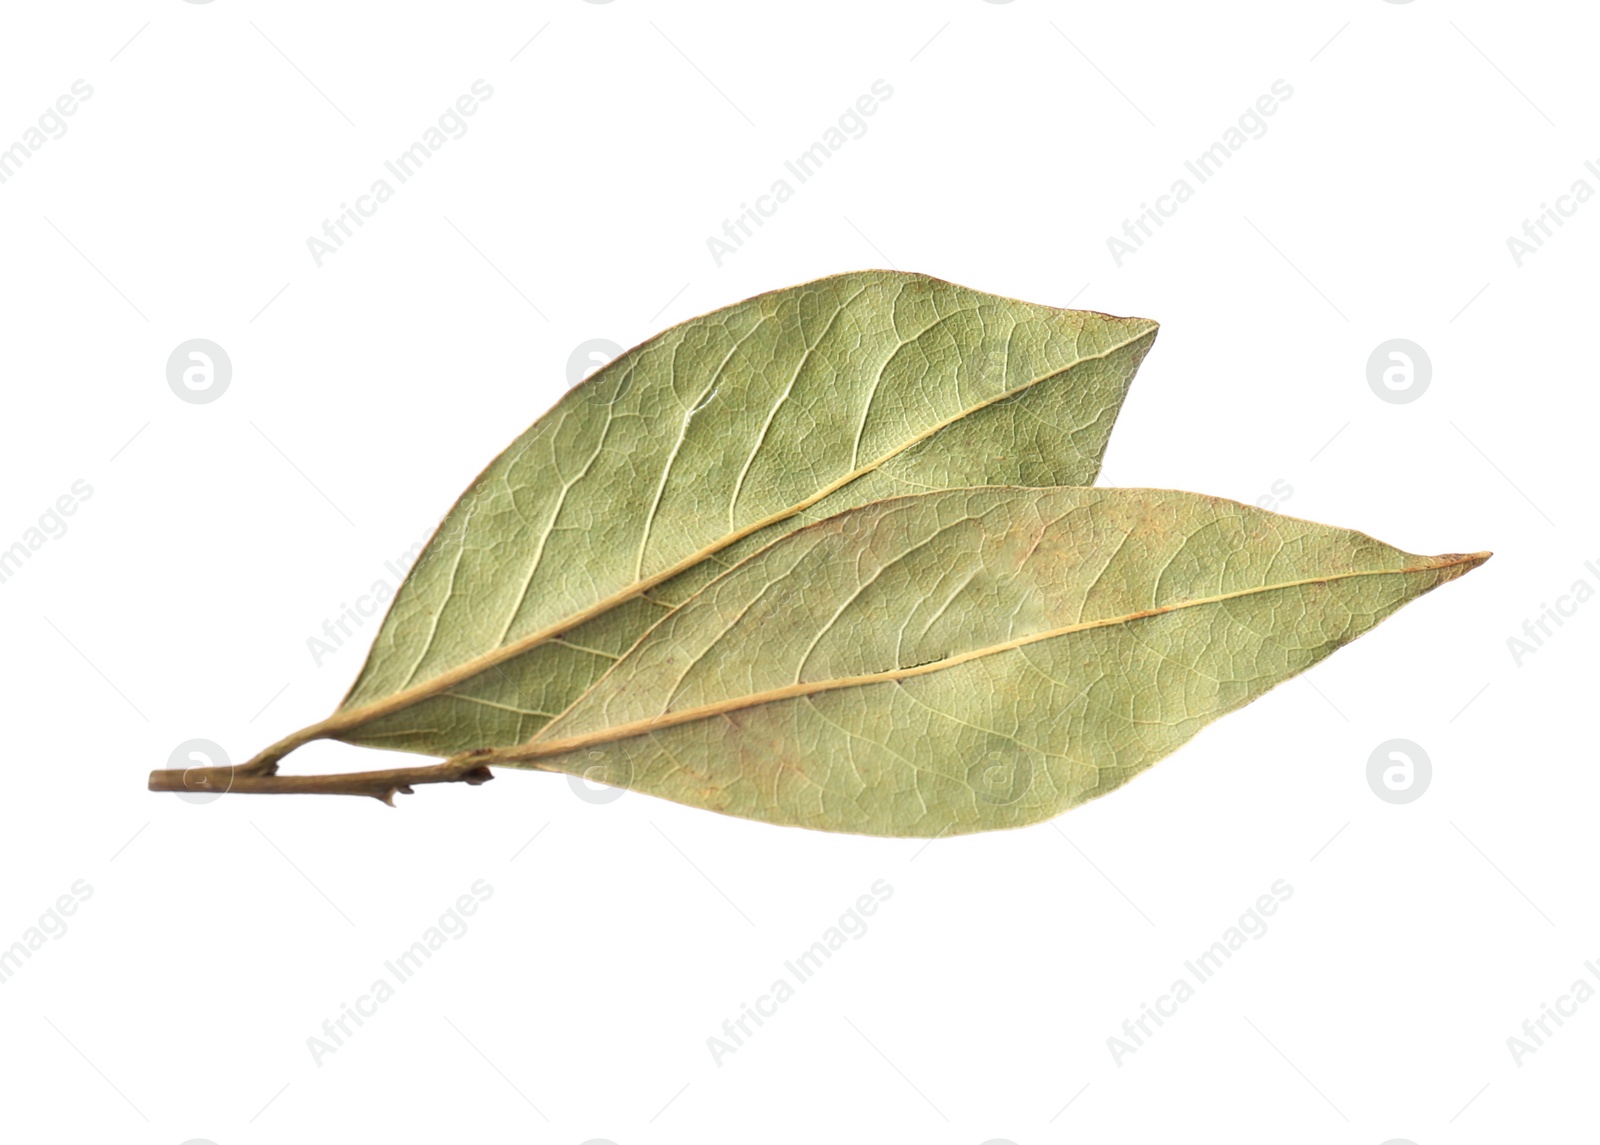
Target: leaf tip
(1458, 564)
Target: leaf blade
(734, 405)
(807, 705)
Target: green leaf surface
(976, 658)
(697, 448)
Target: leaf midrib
(351, 718)
(536, 750)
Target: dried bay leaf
(970, 659)
(698, 447)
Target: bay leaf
(701, 445)
(971, 659)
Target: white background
(367, 392)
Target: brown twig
(262, 778)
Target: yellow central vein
(548, 748)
